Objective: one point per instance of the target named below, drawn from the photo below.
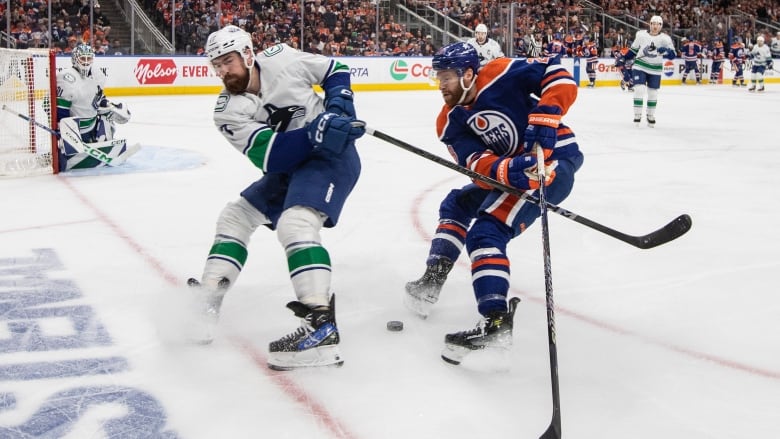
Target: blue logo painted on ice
(44, 317)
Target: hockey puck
(395, 325)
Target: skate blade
(314, 357)
(420, 307)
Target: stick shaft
(673, 230)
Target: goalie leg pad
(298, 230)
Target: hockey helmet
(82, 57)
(760, 40)
(481, 28)
(657, 19)
(230, 39)
(456, 56)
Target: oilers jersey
(507, 90)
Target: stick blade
(675, 229)
(553, 431)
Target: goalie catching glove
(113, 112)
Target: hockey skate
(493, 333)
(637, 119)
(422, 293)
(208, 302)
(752, 88)
(314, 343)
(651, 121)
(760, 89)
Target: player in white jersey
(487, 48)
(762, 60)
(648, 50)
(86, 117)
(305, 147)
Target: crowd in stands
(70, 24)
(349, 27)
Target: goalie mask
(82, 58)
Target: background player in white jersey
(269, 112)
(648, 51)
(86, 117)
(774, 45)
(487, 48)
(762, 60)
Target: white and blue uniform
(79, 99)
(269, 129)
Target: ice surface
(680, 341)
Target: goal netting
(27, 88)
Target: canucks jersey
(258, 124)
(507, 90)
(79, 96)
(645, 48)
(760, 55)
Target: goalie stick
(671, 231)
(75, 139)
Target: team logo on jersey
(496, 130)
(279, 118)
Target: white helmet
(230, 39)
(657, 19)
(480, 28)
(760, 40)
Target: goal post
(28, 86)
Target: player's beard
(236, 84)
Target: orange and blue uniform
(481, 136)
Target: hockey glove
(770, 65)
(542, 129)
(339, 100)
(331, 132)
(621, 62)
(520, 172)
(667, 52)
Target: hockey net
(27, 88)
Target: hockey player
(761, 56)
(737, 56)
(86, 117)
(774, 45)
(624, 66)
(718, 55)
(648, 51)
(492, 123)
(591, 53)
(305, 147)
(691, 53)
(487, 48)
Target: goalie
(87, 118)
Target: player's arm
(269, 151)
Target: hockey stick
(671, 231)
(554, 430)
(75, 140)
